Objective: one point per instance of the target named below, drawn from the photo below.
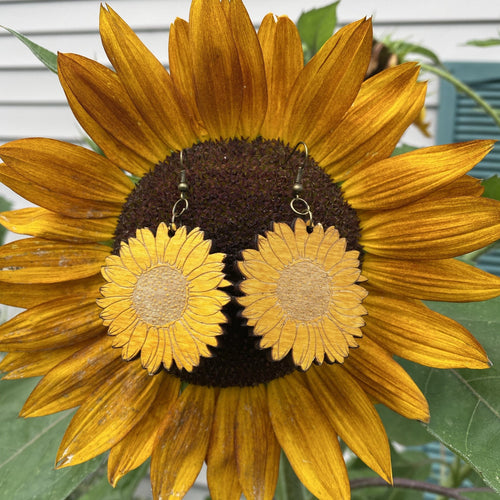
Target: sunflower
(236, 103)
(161, 299)
(307, 298)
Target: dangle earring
(162, 300)
(305, 210)
(300, 291)
(182, 204)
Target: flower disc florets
(237, 189)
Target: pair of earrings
(163, 297)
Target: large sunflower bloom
(236, 103)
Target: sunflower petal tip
(425, 419)
(63, 461)
(389, 478)
(114, 477)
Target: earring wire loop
(182, 204)
(305, 209)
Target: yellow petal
(411, 330)
(300, 236)
(35, 260)
(216, 68)
(36, 363)
(156, 349)
(254, 287)
(283, 60)
(222, 472)
(257, 450)
(117, 404)
(335, 345)
(405, 178)
(287, 235)
(463, 186)
(371, 128)
(446, 280)
(194, 243)
(182, 442)
(254, 104)
(275, 249)
(285, 341)
(136, 447)
(326, 87)
(147, 83)
(259, 270)
(385, 380)
(74, 379)
(19, 295)
(255, 309)
(352, 415)
(432, 230)
(307, 438)
(50, 174)
(104, 110)
(304, 346)
(119, 277)
(54, 324)
(43, 223)
(181, 69)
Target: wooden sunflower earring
(300, 292)
(162, 299)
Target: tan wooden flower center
(304, 290)
(160, 295)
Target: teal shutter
(460, 119)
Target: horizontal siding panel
(43, 120)
(82, 14)
(36, 85)
(88, 43)
(424, 11)
(446, 40)
(16, 55)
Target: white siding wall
(32, 102)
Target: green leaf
(492, 187)
(465, 404)
(289, 486)
(410, 464)
(316, 27)
(28, 450)
(402, 430)
(48, 58)
(4, 206)
(403, 49)
(477, 482)
(476, 495)
(100, 489)
(404, 148)
(484, 43)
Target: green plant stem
(412, 484)
(289, 486)
(462, 87)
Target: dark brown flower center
(236, 190)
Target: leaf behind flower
(48, 58)
(465, 404)
(28, 449)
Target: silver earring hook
(298, 204)
(182, 204)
